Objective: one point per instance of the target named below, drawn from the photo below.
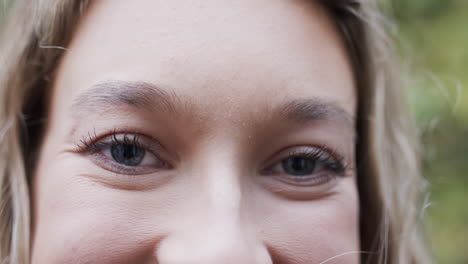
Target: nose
(212, 244)
(218, 232)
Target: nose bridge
(220, 178)
(223, 192)
(220, 231)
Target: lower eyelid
(288, 189)
(312, 180)
(108, 164)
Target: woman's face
(199, 132)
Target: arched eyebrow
(113, 93)
(143, 95)
(304, 110)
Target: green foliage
(433, 41)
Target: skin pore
(199, 132)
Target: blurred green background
(432, 38)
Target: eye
(298, 166)
(307, 166)
(124, 153)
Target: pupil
(126, 154)
(298, 166)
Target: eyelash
(91, 144)
(331, 161)
(94, 145)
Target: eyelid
(309, 151)
(332, 162)
(90, 142)
(94, 145)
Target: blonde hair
(389, 181)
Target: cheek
(80, 221)
(315, 231)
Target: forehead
(223, 55)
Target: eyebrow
(135, 94)
(304, 110)
(144, 95)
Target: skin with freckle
(218, 196)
